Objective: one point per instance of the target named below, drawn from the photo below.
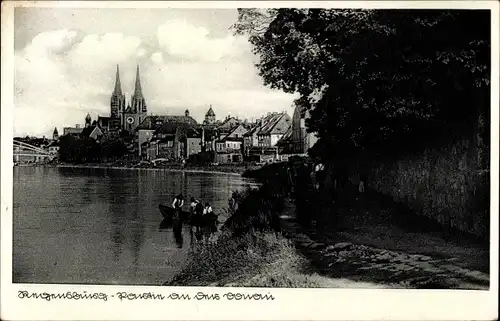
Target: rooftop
(277, 124)
(154, 122)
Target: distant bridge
(25, 152)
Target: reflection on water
(101, 225)
(197, 233)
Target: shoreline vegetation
(251, 249)
(268, 242)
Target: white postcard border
(289, 304)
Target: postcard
(250, 160)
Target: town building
(209, 137)
(227, 125)
(285, 145)
(301, 139)
(91, 129)
(229, 146)
(271, 132)
(94, 132)
(237, 131)
(53, 147)
(77, 130)
(229, 150)
(172, 142)
(261, 142)
(170, 137)
(151, 124)
(251, 138)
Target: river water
(102, 226)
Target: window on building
(170, 143)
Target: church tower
(138, 104)
(55, 135)
(88, 120)
(210, 116)
(117, 102)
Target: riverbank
(220, 169)
(250, 251)
(355, 243)
(298, 257)
(262, 260)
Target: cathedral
(125, 116)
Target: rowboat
(168, 214)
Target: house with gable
(251, 137)
(273, 130)
(229, 148)
(228, 124)
(261, 143)
(90, 130)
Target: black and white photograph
(254, 147)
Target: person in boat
(196, 210)
(208, 209)
(194, 203)
(210, 219)
(177, 205)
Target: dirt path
(389, 255)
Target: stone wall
(445, 183)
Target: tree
(375, 80)
(113, 148)
(77, 149)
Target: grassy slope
(266, 260)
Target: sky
(65, 65)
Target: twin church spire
(138, 88)
(128, 117)
(118, 84)
(137, 104)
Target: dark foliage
(113, 148)
(255, 210)
(377, 80)
(202, 158)
(78, 149)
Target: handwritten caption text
(130, 296)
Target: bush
(255, 210)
